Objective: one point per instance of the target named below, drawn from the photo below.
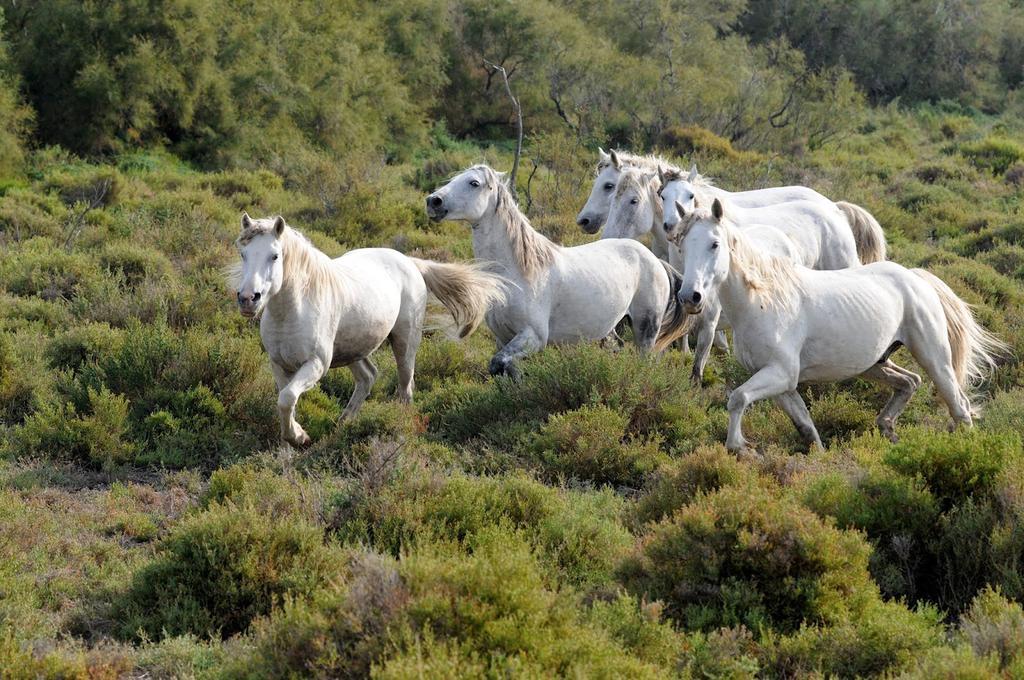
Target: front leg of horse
(504, 362)
(302, 380)
(770, 381)
(365, 374)
(705, 338)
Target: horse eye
(634, 201)
(274, 256)
(714, 246)
(609, 187)
(474, 183)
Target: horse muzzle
(588, 225)
(435, 208)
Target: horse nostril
(434, 201)
(255, 297)
(667, 226)
(583, 221)
(696, 298)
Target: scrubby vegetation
(584, 520)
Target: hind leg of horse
(903, 383)
(770, 381)
(365, 374)
(793, 404)
(404, 343)
(294, 385)
(527, 341)
(935, 359)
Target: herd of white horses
(802, 282)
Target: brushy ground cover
(583, 521)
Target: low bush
(882, 640)
(680, 482)
(221, 568)
(498, 613)
(590, 444)
(994, 627)
(993, 153)
(956, 465)
(578, 533)
(743, 555)
(340, 631)
(648, 393)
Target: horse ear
(603, 155)
(278, 226)
(615, 160)
(693, 173)
(246, 220)
(716, 210)
(661, 177)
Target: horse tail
(675, 323)
(867, 233)
(466, 290)
(974, 348)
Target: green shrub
(340, 631)
(196, 398)
(81, 344)
(954, 465)
(723, 653)
(502, 412)
(897, 514)
(994, 626)
(993, 153)
(577, 533)
(680, 483)
(744, 556)
(135, 263)
(496, 606)
(590, 444)
(97, 436)
(687, 140)
(884, 639)
(265, 490)
(221, 568)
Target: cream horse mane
(634, 177)
(646, 162)
(672, 174)
(304, 264)
(533, 251)
(771, 279)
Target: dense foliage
(584, 520)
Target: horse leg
(935, 359)
(404, 343)
(769, 381)
(302, 380)
(721, 342)
(705, 337)
(365, 374)
(793, 404)
(525, 342)
(903, 383)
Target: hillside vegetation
(584, 520)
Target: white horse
(792, 325)
(317, 313)
(870, 241)
(831, 235)
(561, 295)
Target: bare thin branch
(492, 69)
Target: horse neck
(492, 243)
(296, 294)
(492, 240)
